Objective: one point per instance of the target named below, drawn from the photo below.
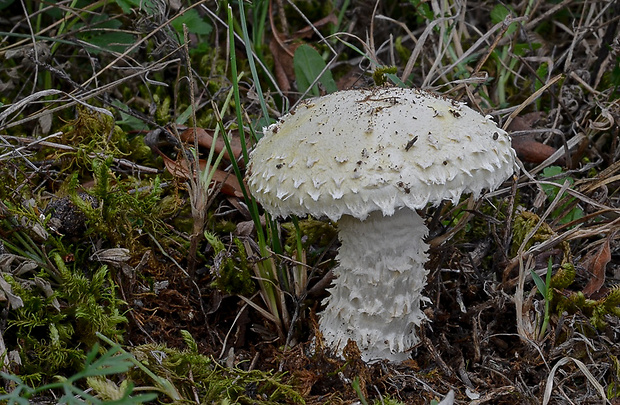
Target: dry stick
(530, 99)
(31, 142)
(476, 338)
(428, 345)
(59, 146)
(89, 94)
(504, 26)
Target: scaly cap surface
(357, 151)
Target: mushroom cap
(357, 151)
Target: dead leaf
(283, 63)
(244, 228)
(530, 150)
(527, 147)
(204, 138)
(230, 184)
(6, 294)
(283, 49)
(112, 256)
(595, 264)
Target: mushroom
(369, 159)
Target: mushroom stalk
(376, 296)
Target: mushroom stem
(375, 300)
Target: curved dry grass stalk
(583, 368)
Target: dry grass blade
(584, 370)
(138, 43)
(28, 100)
(531, 99)
(420, 46)
(572, 143)
(480, 42)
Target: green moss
(124, 212)
(95, 131)
(230, 270)
(526, 222)
(210, 382)
(57, 324)
(563, 277)
(162, 114)
(380, 74)
(312, 232)
(563, 300)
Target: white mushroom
(382, 154)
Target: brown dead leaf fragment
(530, 150)
(282, 47)
(179, 168)
(527, 147)
(283, 62)
(595, 263)
(204, 138)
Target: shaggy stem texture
(376, 296)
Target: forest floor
(135, 262)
